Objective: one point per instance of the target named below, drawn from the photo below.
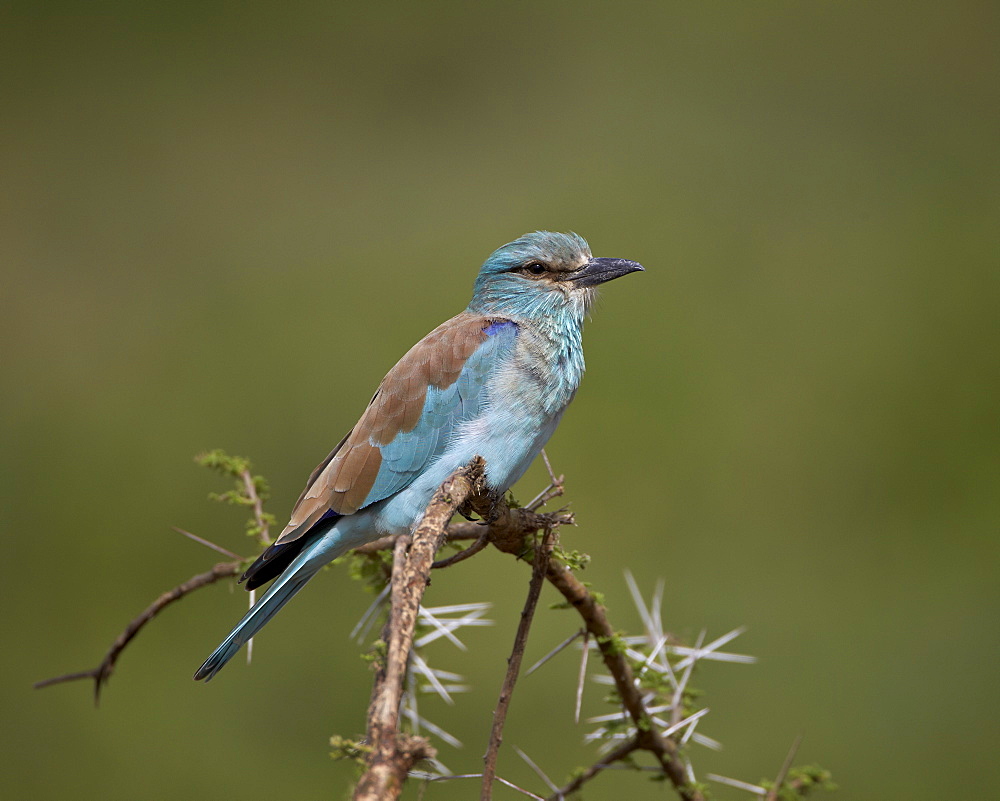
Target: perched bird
(493, 381)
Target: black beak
(599, 271)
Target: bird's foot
(497, 509)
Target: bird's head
(544, 275)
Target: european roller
(492, 381)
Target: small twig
(609, 759)
(553, 490)
(548, 466)
(543, 551)
(456, 532)
(461, 556)
(783, 773)
(546, 495)
(103, 671)
(512, 523)
(263, 536)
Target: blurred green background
(222, 223)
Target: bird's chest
(525, 399)
(540, 379)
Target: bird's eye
(534, 268)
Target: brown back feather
(344, 479)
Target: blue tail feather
(293, 579)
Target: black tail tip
(206, 671)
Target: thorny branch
(394, 753)
(543, 551)
(103, 671)
(595, 619)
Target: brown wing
(343, 481)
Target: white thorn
(582, 676)
(750, 788)
(538, 770)
(370, 611)
(552, 653)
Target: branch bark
(394, 754)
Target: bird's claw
(496, 510)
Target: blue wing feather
(443, 412)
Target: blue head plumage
(543, 275)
